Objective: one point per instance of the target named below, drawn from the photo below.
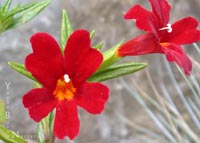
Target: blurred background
(125, 119)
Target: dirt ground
(106, 18)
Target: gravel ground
(106, 17)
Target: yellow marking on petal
(64, 88)
(164, 44)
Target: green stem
(45, 129)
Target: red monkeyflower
(64, 81)
(161, 37)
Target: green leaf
(45, 129)
(117, 71)
(51, 123)
(19, 14)
(21, 69)
(2, 112)
(92, 34)
(33, 10)
(110, 57)
(98, 46)
(5, 6)
(66, 29)
(9, 136)
(41, 137)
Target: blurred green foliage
(18, 15)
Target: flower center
(64, 88)
(168, 28)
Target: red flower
(161, 37)
(64, 79)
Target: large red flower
(160, 36)
(64, 79)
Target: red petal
(36, 96)
(46, 61)
(161, 10)
(184, 32)
(143, 44)
(174, 53)
(66, 120)
(145, 20)
(92, 97)
(150, 21)
(39, 103)
(81, 60)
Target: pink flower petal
(66, 120)
(93, 97)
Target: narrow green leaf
(92, 34)
(28, 14)
(110, 57)
(21, 69)
(50, 125)
(18, 10)
(5, 20)
(45, 129)
(37, 85)
(5, 24)
(117, 71)
(2, 112)
(41, 137)
(9, 136)
(98, 46)
(66, 29)
(19, 14)
(5, 6)
(15, 11)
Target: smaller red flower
(64, 81)
(161, 37)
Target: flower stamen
(66, 78)
(168, 28)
